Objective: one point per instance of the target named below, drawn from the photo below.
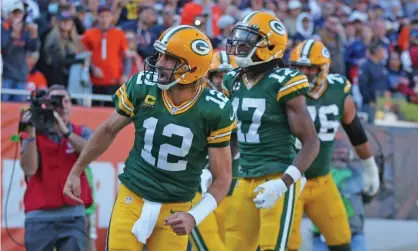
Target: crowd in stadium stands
(92, 46)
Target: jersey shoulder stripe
(294, 86)
(122, 100)
(338, 81)
(223, 134)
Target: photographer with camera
(50, 146)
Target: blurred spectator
(379, 32)
(226, 25)
(109, 48)
(411, 8)
(168, 15)
(304, 28)
(85, 16)
(36, 79)
(355, 53)
(397, 76)
(17, 39)
(290, 22)
(327, 10)
(373, 79)
(333, 37)
(144, 31)
(126, 10)
(406, 57)
(200, 7)
(59, 49)
(137, 62)
(391, 8)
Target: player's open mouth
(162, 77)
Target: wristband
(205, 206)
(293, 172)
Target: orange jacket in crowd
(108, 50)
(192, 9)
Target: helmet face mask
(243, 43)
(183, 56)
(166, 74)
(258, 38)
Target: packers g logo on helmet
(277, 27)
(200, 47)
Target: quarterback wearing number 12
(271, 111)
(177, 123)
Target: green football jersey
(326, 106)
(235, 159)
(265, 140)
(171, 143)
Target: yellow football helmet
(313, 54)
(259, 33)
(190, 47)
(222, 62)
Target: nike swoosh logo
(232, 116)
(293, 74)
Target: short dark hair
(374, 46)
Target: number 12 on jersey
(169, 130)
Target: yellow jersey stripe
(297, 78)
(126, 99)
(121, 106)
(184, 107)
(224, 130)
(220, 140)
(294, 88)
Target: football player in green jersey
(329, 103)
(177, 124)
(270, 105)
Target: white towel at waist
(144, 226)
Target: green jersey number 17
(259, 106)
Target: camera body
(42, 109)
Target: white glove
(269, 192)
(205, 180)
(371, 177)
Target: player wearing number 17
(271, 110)
(177, 123)
(329, 103)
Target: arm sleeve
(124, 98)
(292, 87)
(221, 126)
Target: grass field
(410, 111)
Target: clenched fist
(182, 223)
